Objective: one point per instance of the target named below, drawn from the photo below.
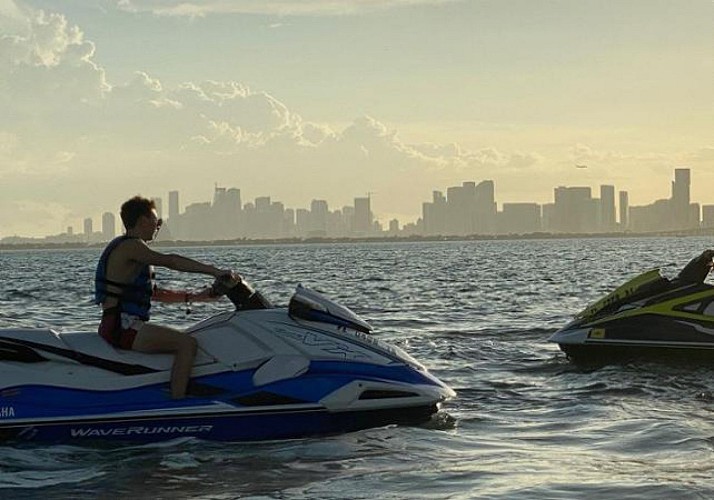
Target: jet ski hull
(328, 398)
(623, 352)
(238, 426)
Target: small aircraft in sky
(581, 166)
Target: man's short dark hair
(134, 208)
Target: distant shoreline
(375, 239)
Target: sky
(333, 99)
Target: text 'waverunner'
(260, 373)
(649, 316)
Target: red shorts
(112, 331)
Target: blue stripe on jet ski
(321, 379)
(397, 373)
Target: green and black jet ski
(648, 316)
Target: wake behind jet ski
(261, 373)
(648, 316)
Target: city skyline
(468, 209)
(101, 100)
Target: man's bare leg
(161, 339)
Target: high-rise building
(650, 218)
(624, 211)
(262, 204)
(234, 213)
(459, 199)
(607, 208)
(302, 221)
(575, 211)
(520, 218)
(318, 217)
(362, 222)
(484, 214)
(226, 213)
(708, 216)
(173, 205)
(434, 215)
(289, 222)
(108, 226)
(680, 199)
(394, 227)
(176, 225)
(196, 222)
(88, 229)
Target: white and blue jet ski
(261, 373)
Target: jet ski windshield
(312, 306)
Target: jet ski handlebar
(240, 293)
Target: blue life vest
(135, 297)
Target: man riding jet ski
(124, 287)
(258, 372)
(649, 316)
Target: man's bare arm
(166, 295)
(140, 252)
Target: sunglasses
(159, 222)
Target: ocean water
(526, 422)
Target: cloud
(48, 75)
(191, 134)
(201, 8)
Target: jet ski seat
(92, 344)
(34, 346)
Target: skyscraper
(680, 199)
(173, 205)
(233, 208)
(318, 217)
(484, 221)
(362, 222)
(607, 208)
(573, 210)
(434, 215)
(458, 215)
(108, 226)
(624, 211)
